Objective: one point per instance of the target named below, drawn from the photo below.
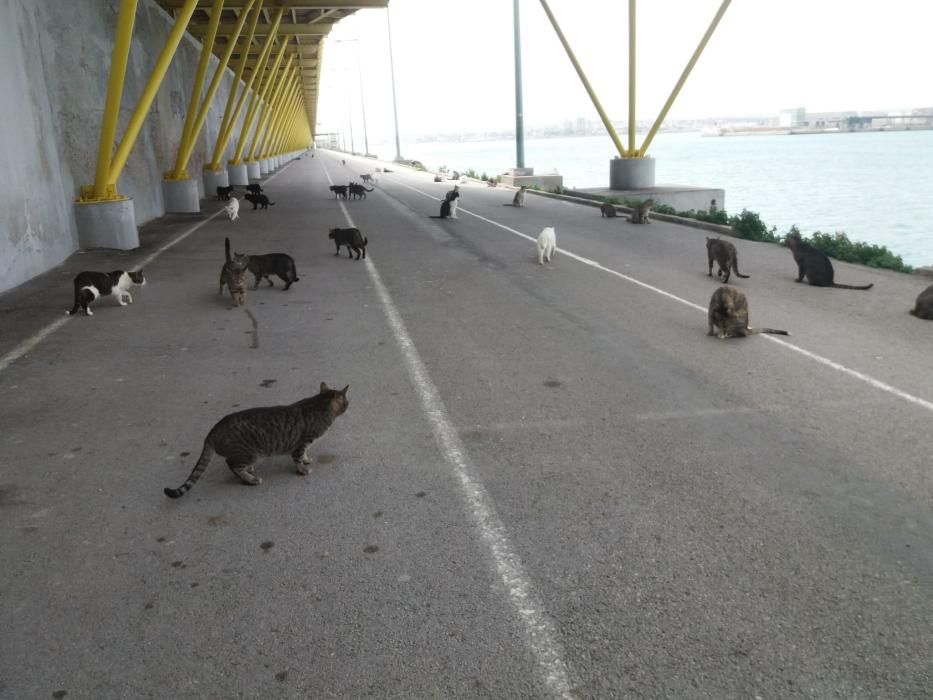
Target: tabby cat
(607, 210)
(233, 274)
(519, 199)
(814, 264)
(245, 436)
(351, 238)
(724, 253)
(640, 213)
(728, 315)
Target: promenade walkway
(549, 481)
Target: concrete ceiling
(305, 22)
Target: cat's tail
(365, 241)
(772, 331)
(271, 204)
(735, 269)
(206, 454)
(849, 286)
(227, 249)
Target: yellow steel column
(283, 109)
(684, 76)
(586, 83)
(185, 156)
(108, 128)
(271, 109)
(270, 131)
(268, 148)
(230, 117)
(207, 47)
(259, 95)
(149, 93)
(631, 77)
(285, 126)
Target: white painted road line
(27, 345)
(855, 374)
(539, 630)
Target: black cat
(259, 200)
(339, 191)
(224, 192)
(351, 238)
(254, 189)
(279, 264)
(357, 190)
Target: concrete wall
(56, 59)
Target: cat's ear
(323, 387)
(343, 392)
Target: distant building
(793, 117)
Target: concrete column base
(181, 196)
(252, 168)
(631, 173)
(107, 225)
(238, 174)
(214, 179)
(264, 166)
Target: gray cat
(607, 210)
(244, 436)
(924, 306)
(233, 274)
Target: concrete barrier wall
(56, 60)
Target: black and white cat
(453, 198)
(91, 285)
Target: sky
(454, 62)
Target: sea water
(877, 187)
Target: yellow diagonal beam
(288, 115)
(586, 83)
(184, 156)
(149, 93)
(285, 104)
(207, 48)
(231, 113)
(683, 77)
(108, 127)
(270, 109)
(259, 96)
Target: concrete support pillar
(181, 196)
(214, 179)
(238, 174)
(107, 225)
(253, 171)
(264, 166)
(631, 173)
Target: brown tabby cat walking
(724, 253)
(233, 274)
(641, 212)
(244, 436)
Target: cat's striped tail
(206, 454)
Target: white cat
(547, 244)
(233, 208)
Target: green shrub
(748, 225)
(838, 246)
(472, 173)
(612, 200)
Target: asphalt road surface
(549, 482)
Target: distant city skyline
(454, 67)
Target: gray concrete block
(181, 196)
(631, 173)
(107, 225)
(238, 174)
